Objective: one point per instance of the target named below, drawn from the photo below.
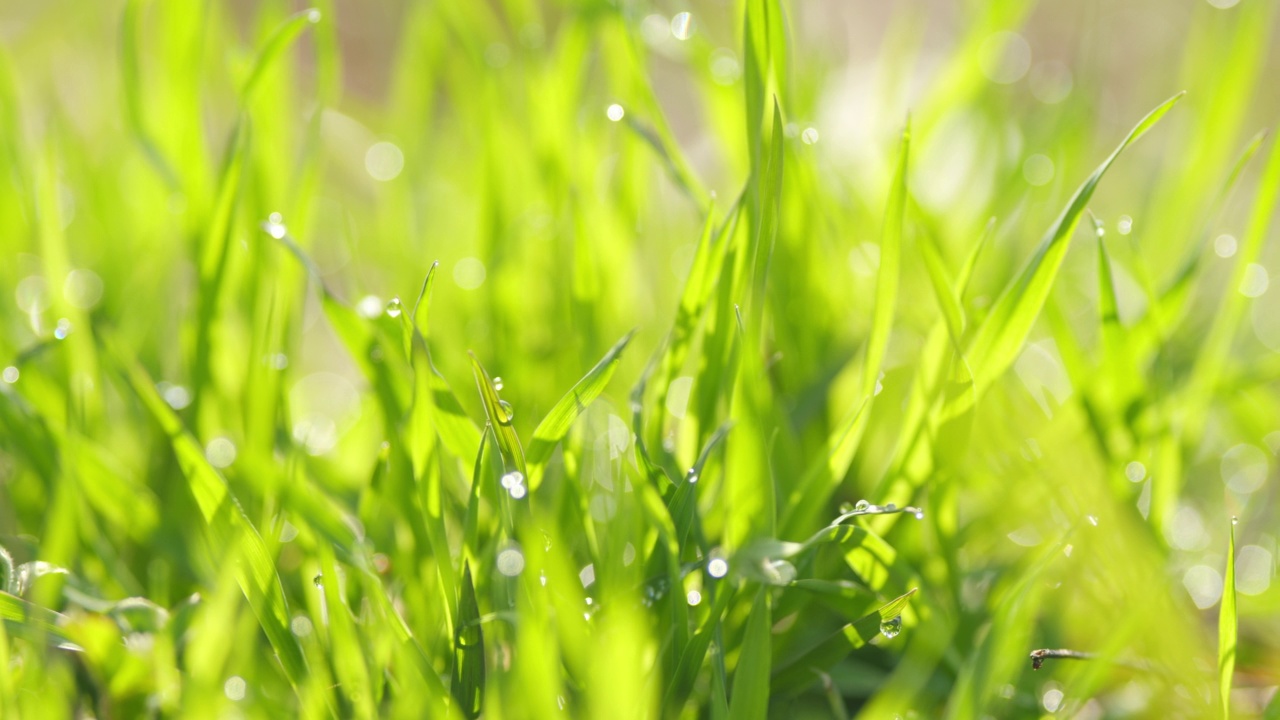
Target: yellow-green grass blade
(1000, 338)
(226, 523)
(1228, 626)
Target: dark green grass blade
(750, 694)
(797, 672)
(468, 650)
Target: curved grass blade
(557, 422)
(226, 522)
(1000, 338)
(275, 46)
(1227, 626)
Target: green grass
(368, 362)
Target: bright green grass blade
(468, 650)
(1227, 626)
(750, 695)
(943, 291)
(890, 265)
(691, 659)
(28, 620)
(500, 418)
(131, 84)
(227, 524)
(557, 422)
(797, 672)
(279, 41)
(345, 649)
(1000, 338)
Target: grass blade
(1000, 338)
(468, 650)
(1227, 626)
(558, 421)
(749, 697)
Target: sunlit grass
(598, 359)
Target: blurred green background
(244, 474)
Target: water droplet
(506, 408)
(220, 452)
(879, 384)
(384, 161)
(510, 562)
(590, 601)
(1052, 700)
(1093, 520)
(1135, 471)
(809, 136)
(313, 16)
(862, 506)
(717, 568)
(1225, 246)
(1235, 520)
(682, 25)
(1124, 225)
(546, 542)
(919, 514)
(517, 492)
(394, 308)
(497, 383)
(890, 507)
(318, 581)
(615, 112)
(63, 329)
(694, 597)
(891, 627)
(587, 576)
(846, 507)
(512, 479)
(301, 626)
(691, 476)
(10, 374)
(370, 306)
(542, 577)
(560, 701)
(234, 688)
(275, 226)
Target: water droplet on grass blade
(518, 492)
(10, 375)
(809, 136)
(891, 627)
(512, 479)
(717, 568)
(861, 505)
(615, 112)
(497, 383)
(506, 408)
(63, 329)
(694, 597)
(394, 308)
(510, 562)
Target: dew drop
(1124, 225)
(682, 25)
(846, 507)
(1235, 520)
(691, 476)
(512, 479)
(615, 112)
(862, 505)
(891, 627)
(518, 492)
(919, 514)
(394, 307)
(506, 408)
(694, 597)
(10, 374)
(890, 507)
(497, 383)
(717, 568)
(63, 329)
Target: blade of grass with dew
(225, 519)
(500, 419)
(557, 422)
(1002, 334)
(797, 671)
(1227, 626)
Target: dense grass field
(617, 358)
